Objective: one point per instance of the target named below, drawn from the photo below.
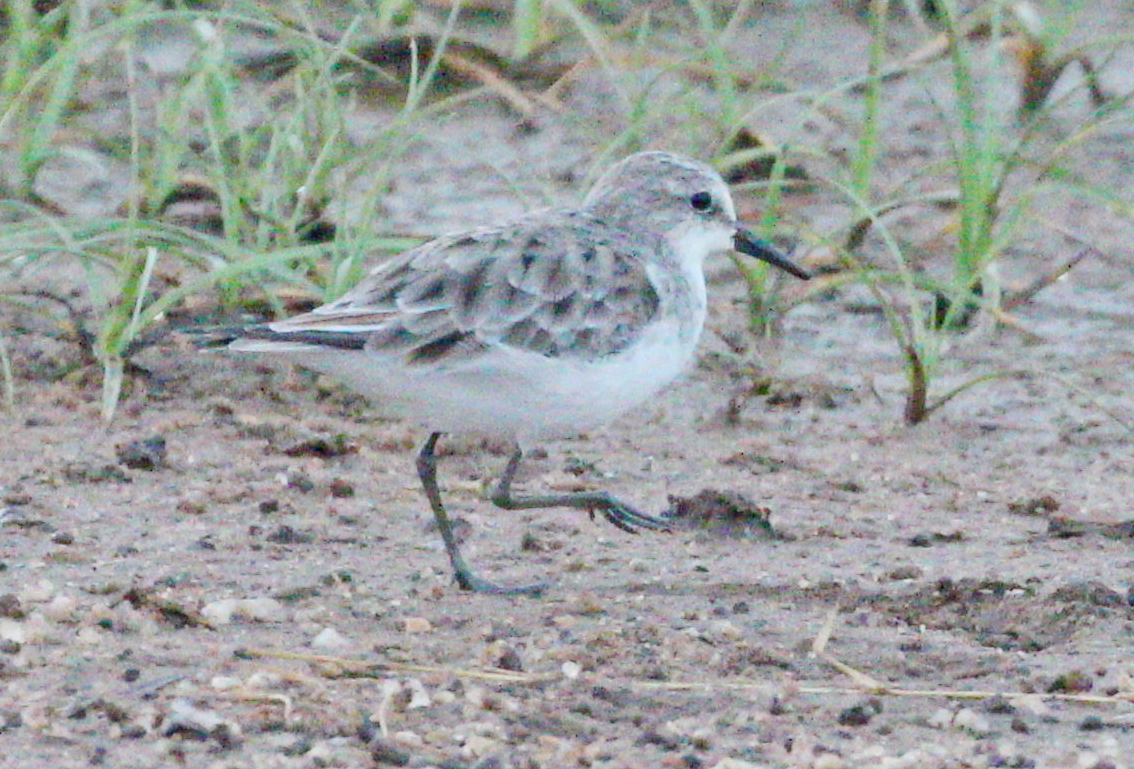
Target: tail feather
(261, 338)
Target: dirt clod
(145, 454)
(1043, 505)
(1075, 682)
(860, 714)
(727, 513)
(287, 535)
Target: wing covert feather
(556, 284)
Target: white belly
(513, 394)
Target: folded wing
(555, 285)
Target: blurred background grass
(172, 164)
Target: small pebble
(224, 683)
(229, 610)
(89, 636)
(941, 718)
(386, 753)
(972, 721)
(148, 454)
(10, 606)
(419, 697)
(905, 572)
(725, 630)
(408, 738)
(12, 632)
(1076, 682)
(1092, 724)
(61, 608)
(265, 680)
(477, 746)
(38, 593)
(416, 625)
(860, 713)
(341, 489)
(329, 638)
(185, 717)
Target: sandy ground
(264, 590)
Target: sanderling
(541, 327)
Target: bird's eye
(701, 201)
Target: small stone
(40, 592)
(941, 718)
(1042, 505)
(385, 752)
(228, 610)
(225, 683)
(1075, 682)
(478, 696)
(905, 572)
(972, 721)
(61, 608)
(220, 406)
(341, 489)
(63, 538)
(12, 632)
(860, 713)
(726, 630)
(185, 717)
(329, 638)
(265, 680)
(416, 625)
(477, 746)
(191, 507)
(1092, 724)
(330, 753)
(408, 738)
(148, 454)
(286, 535)
(419, 697)
(509, 659)
(10, 606)
(999, 705)
(89, 636)
(571, 670)
(299, 480)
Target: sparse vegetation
(236, 569)
(237, 162)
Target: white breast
(514, 394)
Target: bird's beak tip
(747, 243)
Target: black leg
(618, 513)
(427, 471)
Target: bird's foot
(467, 581)
(625, 517)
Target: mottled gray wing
(556, 284)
